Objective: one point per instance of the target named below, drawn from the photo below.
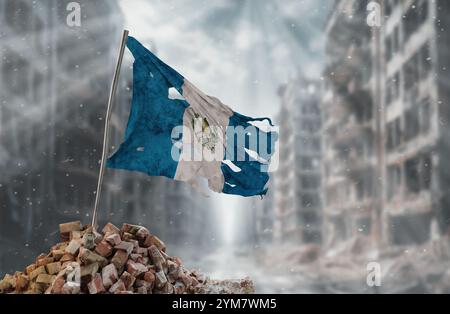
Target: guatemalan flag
(191, 137)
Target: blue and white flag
(191, 137)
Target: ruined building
(297, 196)
(386, 116)
(348, 125)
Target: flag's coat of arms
(203, 122)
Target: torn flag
(192, 135)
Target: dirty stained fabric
(149, 138)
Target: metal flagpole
(112, 92)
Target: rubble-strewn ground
(414, 269)
(121, 261)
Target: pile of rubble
(120, 261)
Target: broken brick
(117, 287)
(156, 256)
(57, 254)
(154, 240)
(66, 228)
(73, 247)
(39, 270)
(143, 260)
(125, 246)
(70, 226)
(67, 258)
(104, 249)
(89, 270)
(127, 279)
(21, 281)
(53, 268)
(75, 235)
(57, 285)
(113, 239)
(142, 234)
(30, 268)
(120, 259)
(77, 266)
(135, 269)
(88, 257)
(160, 279)
(127, 236)
(95, 286)
(109, 275)
(7, 283)
(129, 228)
(110, 228)
(71, 288)
(141, 250)
(44, 261)
(45, 279)
(150, 278)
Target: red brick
(154, 240)
(143, 260)
(73, 247)
(129, 228)
(127, 236)
(58, 285)
(113, 239)
(117, 287)
(156, 257)
(109, 275)
(110, 228)
(128, 280)
(89, 270)
(44, 261)
(120, 259)
(125, 246)
(96, 285)
(57, 254)
(21, 282)
(67, 258)
(30, 268)
(45, 279)
(104, 249)
(150, 278)
(135, 269)
(66, 228)
(39, 270)
(141, 250)
(142, 234)
(160, 279)
(53, 268)
(174, 275)
(89, 257)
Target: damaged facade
(385, 111)
(297, 196)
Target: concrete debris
(119, 261)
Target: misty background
(339, 90)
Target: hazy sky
(240, 51)
(237, 50)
